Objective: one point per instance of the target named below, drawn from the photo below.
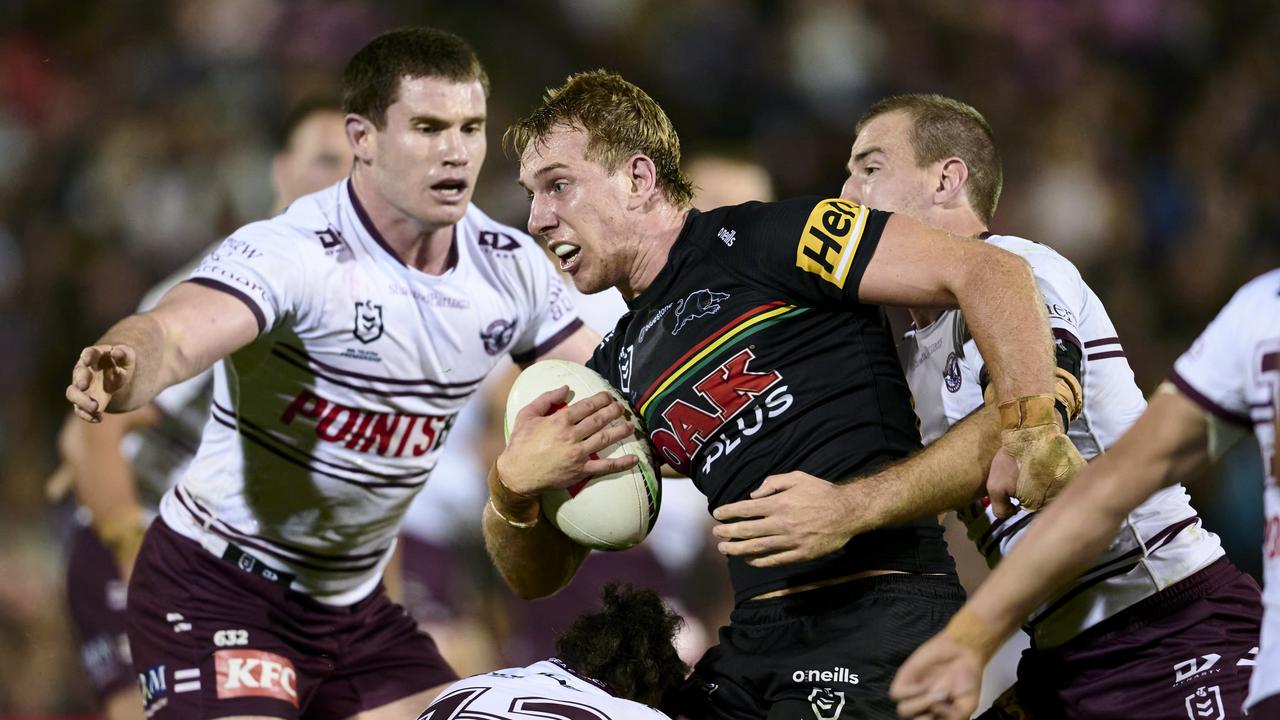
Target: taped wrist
(974, 633)
(1028, 411)
(513, 508)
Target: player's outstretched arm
(1165, 444)
(796, 517)
(918, 266)
(551, 446)
(192, 327)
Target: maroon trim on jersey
(1067, 336)
(547, 345)
(278, 451)
(374, 378)
(1205, 403)
(301, 365)
(1102, 341)
(1105, 355)
(204, 515)
(245, 422)
(372, 229)
(1101, 573)
(212, 524)
(237, 294)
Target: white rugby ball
(609, 512)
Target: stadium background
(1136, 134)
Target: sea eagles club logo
(497, 336)
(700, 303)
(368, 322)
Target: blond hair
(620, 120)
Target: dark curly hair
(627, 645)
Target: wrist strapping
(1028, 411)
(515, 509)
(513, 523)
(974, 633)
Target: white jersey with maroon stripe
(1233, 372)
(324, 428)
(1160, 542)
(546, 690)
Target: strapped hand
(1036, 459)
(100, 372)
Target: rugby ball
(609, 512)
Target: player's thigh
(208, 642)
(409, 707)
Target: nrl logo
(826, 703)
(368, 322)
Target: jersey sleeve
(812, 251)
(551, 314)
(1215, 370)
(262, 269)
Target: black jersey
(750, 355)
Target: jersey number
(453, 706)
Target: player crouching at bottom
(619, 662)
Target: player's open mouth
(449, 190)
(568, 254)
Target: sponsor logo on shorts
(700, 303)
(231, 638)
(830, 239)
(1195, 666)
(835, 674)
(153, 685)
(826, 703)
(255, 673)
(1206, 704)
(368, 322)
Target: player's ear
(360, 136)
(952, 176)
(643, 176)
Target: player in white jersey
(122, 466)
(1226, 383)
(1163, 586)
(354, 326)
(617, 663)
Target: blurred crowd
(132, 134)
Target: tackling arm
(1165, 444)
(192, 327)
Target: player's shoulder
(1256, 301)
(307, 227)
(1044, 260)
(497, 242)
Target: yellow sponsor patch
(830, 240)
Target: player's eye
(472, 129)
(559, 186)
(870, 170)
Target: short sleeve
(1215, 370)
(552, 315)
(811, 250)
(261, 269)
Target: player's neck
(659, 232)
(427, 248)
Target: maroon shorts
(211, 640)
(96, 599)
(1182, 653)
(1267, 708)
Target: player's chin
(445, 214)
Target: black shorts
(823, 654)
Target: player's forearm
(1004, 311)
(159, 362)
(947, 474)
(536, 562)
(103, 480)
